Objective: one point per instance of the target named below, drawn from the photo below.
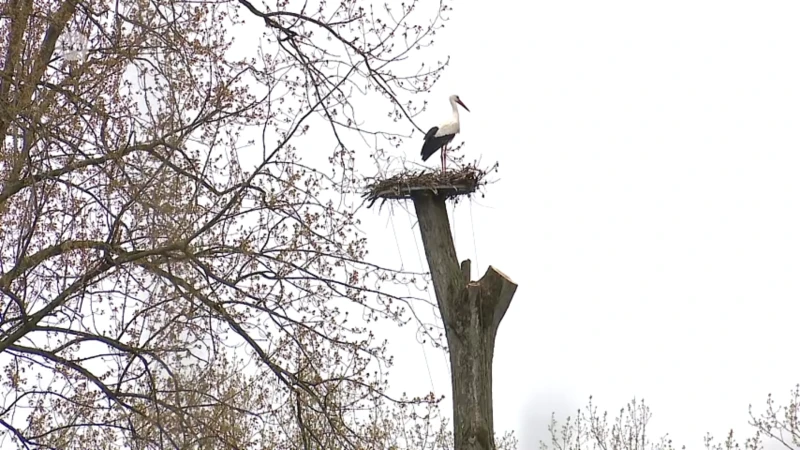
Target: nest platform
(408, 184)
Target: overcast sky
(647, 205)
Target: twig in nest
(405, 185)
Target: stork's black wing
(433, 143)
(432, 132)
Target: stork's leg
(444, 158)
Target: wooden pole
(471, 312)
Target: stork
(438, 137)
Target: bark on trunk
(471, 312)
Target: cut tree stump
(471, 310)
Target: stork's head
(455, 99)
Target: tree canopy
(176, 271)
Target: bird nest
(408, 184)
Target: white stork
(439, 137)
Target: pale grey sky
(648, 205)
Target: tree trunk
(471, 312)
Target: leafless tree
(590, 430)
(176, 269)
(777, 427)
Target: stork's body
(439, 137)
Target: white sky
(648, 205)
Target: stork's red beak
(462, 104)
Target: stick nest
(408, 184)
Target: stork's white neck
(455, 110)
